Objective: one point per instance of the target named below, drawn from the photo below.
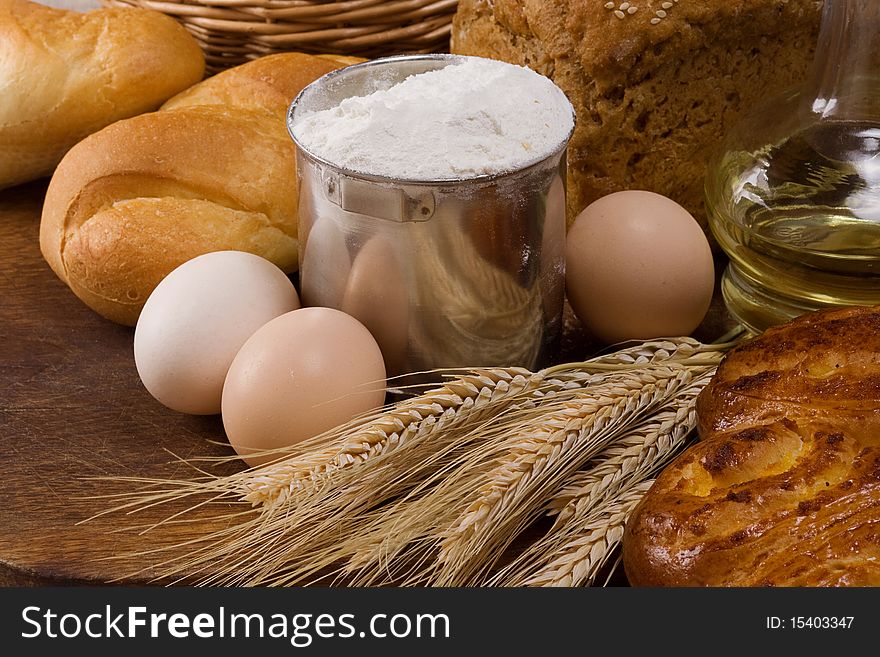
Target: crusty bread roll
(655, 85)
(65, 75)
(784, 487)
(213, 170)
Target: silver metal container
(445, 273)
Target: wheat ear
(515, 490)
(580, 560)
(456, 402)
(643, 450)
(335, 516)
(453, 404)
(301, 519)
(319, 504)
(424, 512)
(635, 457)
(407, 532)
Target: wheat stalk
(407, 529)
(453, 404)
(411, 527)
(336, 499)
(579, 561)
(433, 418)
(643, 450)
(407, 494)
(441, 409)
(417, 520)
(347, 507)
(637, 456)
(314, 468)
(514, 491)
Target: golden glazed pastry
(654, 85)
(212, 170)
(65, 75)
(784, 487)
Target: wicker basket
(234, 31)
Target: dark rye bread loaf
(655, 83)
(784, 487)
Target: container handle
(379, 200)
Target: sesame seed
(666, 5)
(624, 6)
(619, 14)
(661, 13)
(654, 21)
(632, 10)
(609, 5)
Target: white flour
(469, 119)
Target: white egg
(197, 319)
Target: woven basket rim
(304, 8)
(232, 31)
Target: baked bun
(65, 75)
(212, 170)
(784, 487)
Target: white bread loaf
(213, 170)
(65, 75)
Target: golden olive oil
(800, 221)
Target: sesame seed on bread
(655, 83)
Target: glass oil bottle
(794, 194)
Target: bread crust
(65, 75)
(214, 169)
(653, 96)
(784, 487)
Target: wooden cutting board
(74, 413)
(72, 410)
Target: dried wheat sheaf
(495, 477)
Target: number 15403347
(810, 622)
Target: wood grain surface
(73, 411)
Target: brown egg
(638, 266)
(325, 265)
(376, 295)
(300, 375)
(553, 251)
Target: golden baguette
(65, 75)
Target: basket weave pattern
(234, 31)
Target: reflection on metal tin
(445, 273)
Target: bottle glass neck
(846, 72)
